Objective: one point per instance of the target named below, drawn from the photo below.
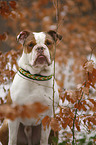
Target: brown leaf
(4, 36)
(46, 122)
(13, 4)
(23, 111)
(89, 66)
(54, 125)
(92, 101)
(1, 101)
(86, 90)
(4, 9)
(64, 124)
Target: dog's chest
(25, 91)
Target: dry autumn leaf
(4, 36)
(86, 90)
(12, 4)
(23, 111)
(89, 66)
(55, 125)
(46, 122)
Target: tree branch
(57, 20)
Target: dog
(34, 83)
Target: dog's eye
(48, 42)
(31, 45)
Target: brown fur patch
(29, 43)
(50, 46)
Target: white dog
(34, 82)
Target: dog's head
(39, 47)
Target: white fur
(39, 37)
(26, 91)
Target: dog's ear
(54, 35)
(22, 36)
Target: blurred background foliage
(77, 25)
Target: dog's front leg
(44, 135)
(13, 131)
(28, 132)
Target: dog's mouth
(41, 60)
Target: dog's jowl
(33, 83)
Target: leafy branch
(74, 119)
(57, 20)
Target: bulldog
(34, 83)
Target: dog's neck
(45, 71)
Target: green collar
(37, 77)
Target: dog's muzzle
(42, 55)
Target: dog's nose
(40, 49)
